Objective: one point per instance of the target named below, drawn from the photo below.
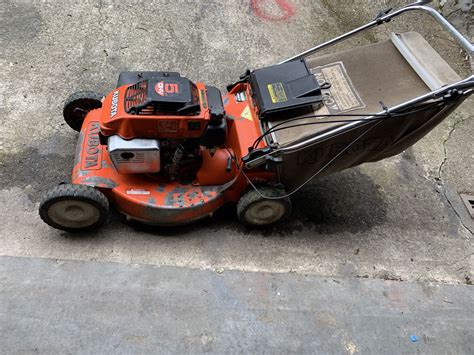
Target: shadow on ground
(35, 172)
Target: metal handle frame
(465, 43)
(466, 86)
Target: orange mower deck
(156, 200)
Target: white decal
(114, 106)
(137, 192)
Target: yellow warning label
(246, 113)
(277, 92)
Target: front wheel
(78, 105)
(74, 207)
(255, 210)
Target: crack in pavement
(440, 173)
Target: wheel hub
(74, 214)
(265, 212)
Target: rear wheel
(74, 207)
(78, 105)
(255, 210)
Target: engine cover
(163, 95)
(134, 156)
(161, 105)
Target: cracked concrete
(440, 172)
(403, 223)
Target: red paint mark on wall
(286, 10)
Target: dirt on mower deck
(401, 219)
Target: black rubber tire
(69, 192)
(251, 198)
(78, 105)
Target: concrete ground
(401, 219)
(91, 307)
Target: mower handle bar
(384, 17)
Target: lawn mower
(168, 151)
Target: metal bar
(466, 44)
(467, 83)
